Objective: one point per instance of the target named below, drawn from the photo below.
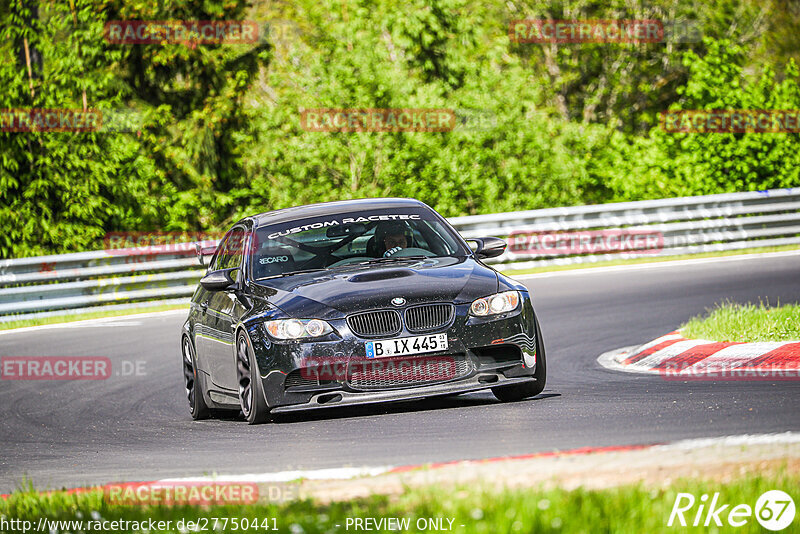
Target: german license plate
(406, 345)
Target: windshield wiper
(291, 273)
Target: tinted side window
(232, 253)
(215, 264)
(231, 249)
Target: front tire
(251, 393)
(519, 392)
(194, 388)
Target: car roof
(333, 208)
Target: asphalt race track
(71, 433)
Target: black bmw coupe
(353, 302)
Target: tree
(63, 191)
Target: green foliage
(197, 94)
(63, 191)
(219, 134)
(531, 158)
(57, 190)
(706, 163)
(522, 158)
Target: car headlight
(297, 328)
(495, 304)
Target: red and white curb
(674, 357)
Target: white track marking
(652, 360)
(611, 360)
(339, 473)
(734, 441)
(668, 337)
(354, 472)
(735, 355)
(346, 473)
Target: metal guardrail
(72, 283)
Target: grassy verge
(620, 510)
(645, 259)
(745, 323)
(68, 318)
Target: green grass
(646, 259)
(68, 318)
(627, 509)
(745, 323)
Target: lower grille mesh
(297, 378)
(307, 376)
(405, 372)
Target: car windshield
(338, 240)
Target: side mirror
(488, 247)
(219, 280)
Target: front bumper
(497, 352)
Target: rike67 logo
(774, 510)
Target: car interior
(338, 246)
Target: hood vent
(383, 274)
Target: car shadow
(421, 405)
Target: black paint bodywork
(497, 346)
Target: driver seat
(375, 249)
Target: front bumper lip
(336, 398)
